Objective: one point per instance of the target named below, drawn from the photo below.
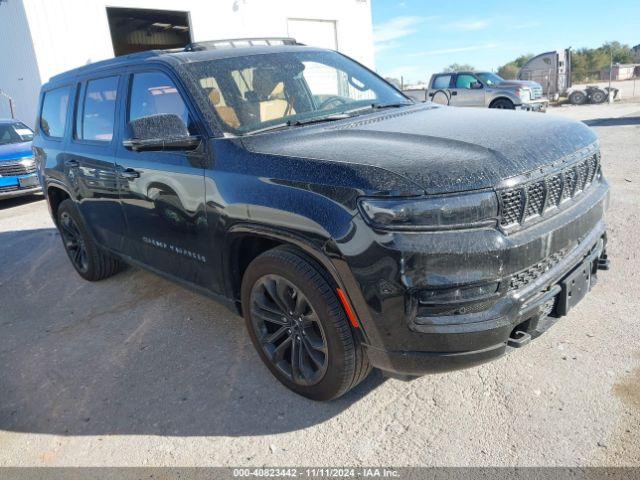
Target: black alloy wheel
(289, 330)
(92, 262)
(74, 244)
(503, 104)
(299, 327)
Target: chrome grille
(523, 202)
(14, 169)
(536, 92)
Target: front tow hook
(603, 262)
(519, 339)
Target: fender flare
(502, 96)
(444, 92)
(336, 267)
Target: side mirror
(476, 86)
(165, 131)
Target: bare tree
(459, 67)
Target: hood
(441, 149)
(14, 151)
(519, 83)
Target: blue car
(17, 167)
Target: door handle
(127, 173)
(71, 163)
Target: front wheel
(299, 328)
(503, 104)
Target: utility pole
(610, 97)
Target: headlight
(428, 213)
(524, 94)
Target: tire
(598, 96)
(440, 97)
(577, 98)
(503, 104)
(89, 260)
(309, 326)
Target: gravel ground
(137, 371)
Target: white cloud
(446, 51)
(467, 26)
(521, 26)
(396, 28)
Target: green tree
(621, 53)
(509, 71)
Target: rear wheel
(503, 104)
(440, 97)
(91, 262)
(299, 328)
(577, 98)
(598, 96)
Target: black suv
(350, 227)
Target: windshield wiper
(379, 106)
(375, 106)
(298, 123)
(328, 118)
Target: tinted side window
(98, 110)
(153, 93)
(54, 112)
(465, 81)
(442, 81)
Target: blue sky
(416, 38)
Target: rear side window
(443, 81)
(153, 93)
(53, 117)
(96, 118)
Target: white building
(41, 38)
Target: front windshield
(255, 92)
(15, 133)
(490, 78)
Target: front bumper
(534, 106)
(10, 187)
(405, 338)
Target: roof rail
(240, 42)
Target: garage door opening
(135, 29)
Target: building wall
(70, 33)
(19, 75)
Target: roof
(192, 53)
(463, 72)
